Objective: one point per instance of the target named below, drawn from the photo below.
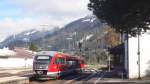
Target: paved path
(14, 72)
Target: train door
(61, 64)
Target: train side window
(72, 63)
(62, 61)
(59, 61)
(69, 62)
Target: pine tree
(33, 47)
(125, 16)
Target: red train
(53, 64)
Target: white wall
(145, 56)
(16, 63)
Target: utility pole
(14, 38)
(74, 41)
(109, 59)
(138, 53)
(109, 63)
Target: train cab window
(43, 58)
(60, 61)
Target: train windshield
(43, 58)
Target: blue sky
(20, 15)
(9, 10)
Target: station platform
(14, 80)
(15, 76)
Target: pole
(43, 39)
(69, 48)
(69, 43)
(27, 44)
(109, 61)
(25, 59)
(14, 38)
(139, 70)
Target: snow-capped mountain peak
(90, 18)
(29, 33)
(27, 36)
(2, 39)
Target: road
(89, 76)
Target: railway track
(89, 76)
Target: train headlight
(39, 72)
(46, 67)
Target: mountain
(84, 36)
(55, 37)
(77, 31)
(83, 24)
(26, 37)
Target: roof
(119, 49)
(50, 53)
(22, 53)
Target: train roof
(50, 53)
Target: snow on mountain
(2, 39)
(89, 19)
(26, 39)
(79, 30)
(86, 20)
(93, 19)
(81, 40)
(29, 33)
(88, 36)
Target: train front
(41, 64)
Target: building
(134, 70)
(127, 53)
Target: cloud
(28, 14)
(10, 26)
(54, 8)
